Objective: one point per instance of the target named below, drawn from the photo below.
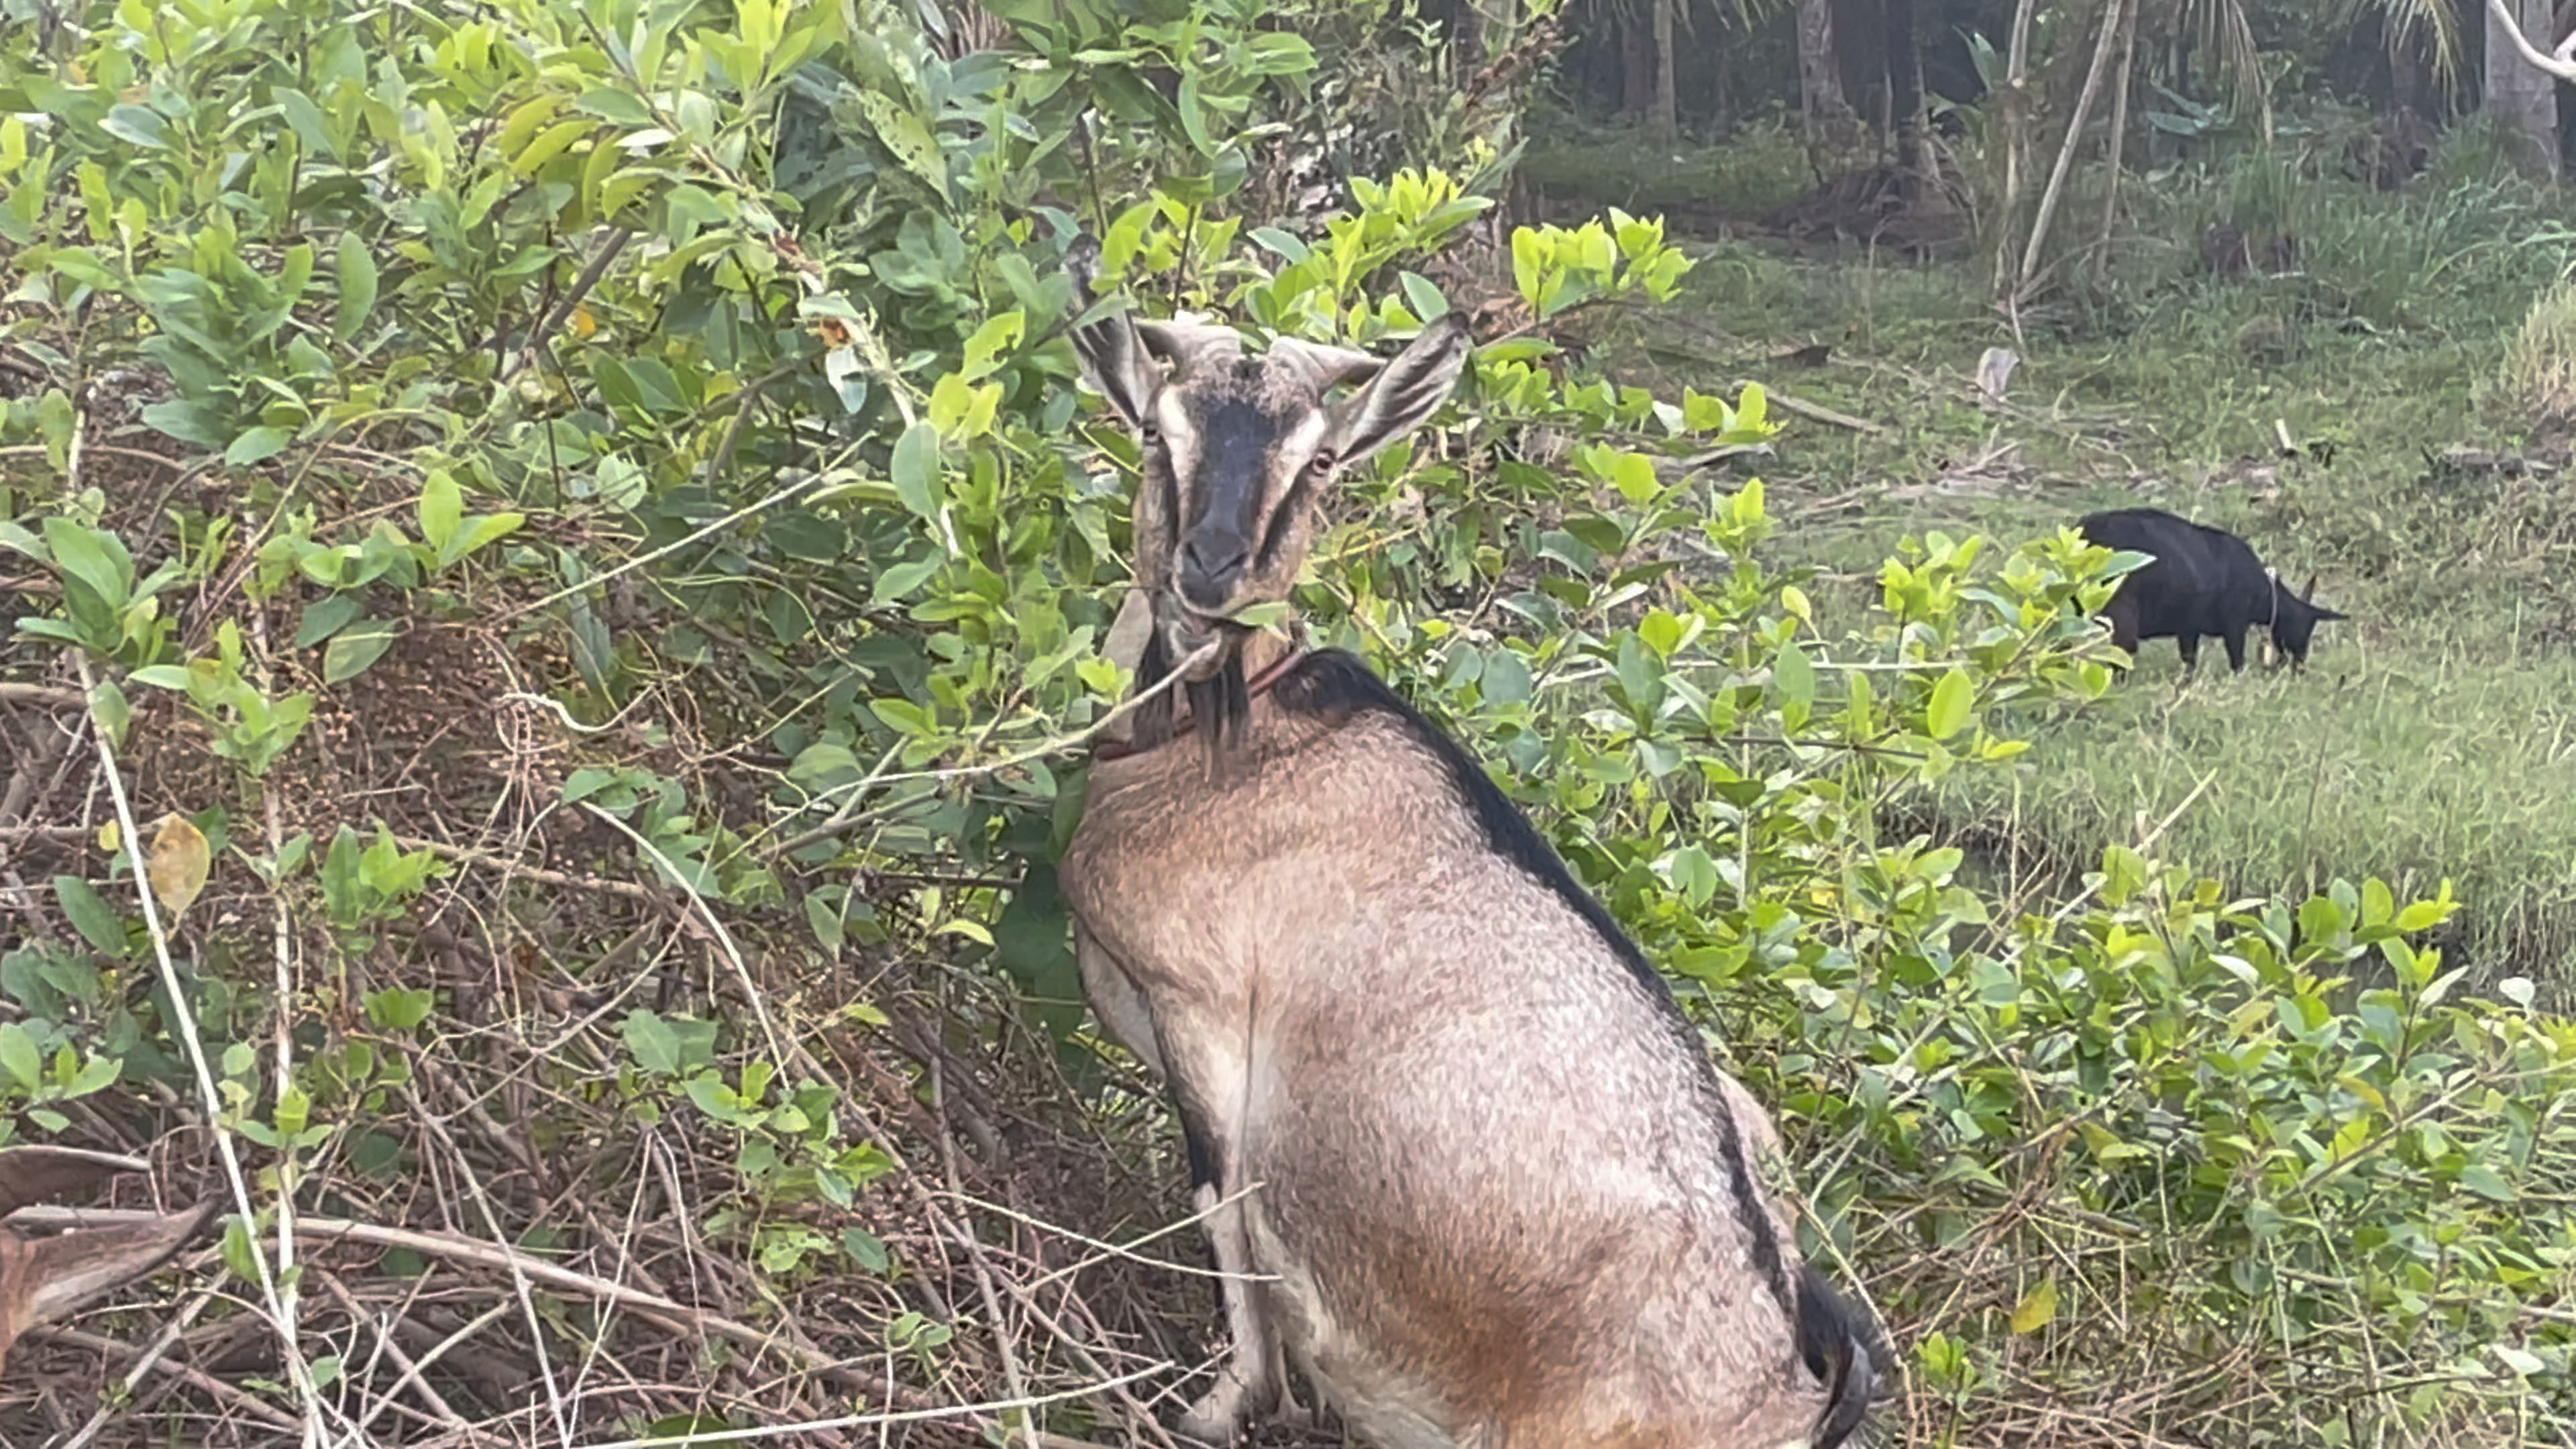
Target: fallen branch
(1813, 412)
(39, 694)
(153, 1363)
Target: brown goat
(1463, 1161)
(43, 1279)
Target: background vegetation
(558, 570)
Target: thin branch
(692, 536)
(1061, 744)
(154, 1362)
(724, 938)
(184, 1019)
(600, 259)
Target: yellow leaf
(178, 865)
(583, 324)
(109, 837)
(2038, 1308)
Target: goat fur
(1465, 1163)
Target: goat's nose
(1210, 568)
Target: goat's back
(2203, 580)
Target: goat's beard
(1219, 695)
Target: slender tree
(1905, 93)
(1665, 119)
(2522, 96)
(1821, 103)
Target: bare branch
(2562, 64)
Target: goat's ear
(1405, 392)
(1114, 355)
(2325, 614)
(1112, 351)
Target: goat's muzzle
(1188, 627)
(1211, 570)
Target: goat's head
(1237, 450)
(43, 1279)
(2295, 618)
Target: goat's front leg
(1254, 1380)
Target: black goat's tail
(1843, 1349)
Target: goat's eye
(1322, 463)
(1150, 434)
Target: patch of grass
(2540, 367)
(1757, 168)
(2432, 736)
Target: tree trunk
(2014, 110)
(2522, 98)
(2119, 134)
(2104, 44)
(1468, 39)
(1905, 93)
(1665, 119)
(1636, 68)
(1821, 103)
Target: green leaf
(865, 1249)
(306, 120)
(2424, 916)
(999, 334)
(355, 649)
(111, 709)
(240, 1250)
(1794, 675)
(400, 1009)
(655, 1045)
(1952, 698)
(321, 621)
(257, 446)
(442, 504)
(137, 125)
(615, 105)
(1529, 256)
(916, 469)
(96, 559)
(1194, 114)
(478, 532)
(1423, 297)
(2037, 1309)
(19, 1056)
(90, 914)
(1033, 941)
(357, 287)
(2487, 1183)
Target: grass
(2432, 736)
(1616, 164)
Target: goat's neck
(1264, 659)
(1264, 653)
